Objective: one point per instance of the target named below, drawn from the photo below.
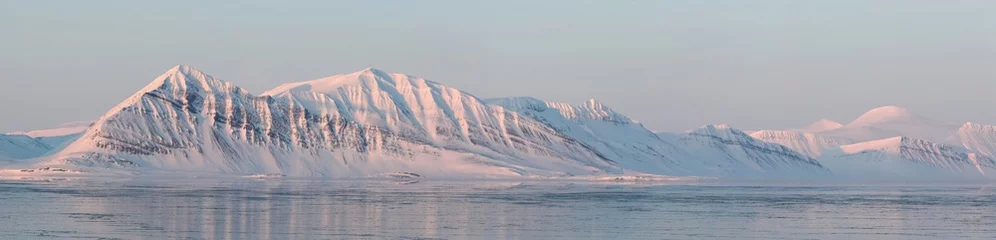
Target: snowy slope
(371, 123)
(53, 139)
(719, 150)
(350, 125)
(64, 129)
(375, 123)
(809, 144)
(59, 142)
(821, 125)
(711, 151)
(907, 158)
(977, 137)
(435, 114)
(15, 147)
(893, 121)
(613, 135)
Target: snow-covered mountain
(61, 130)
(375, 123)
(821, 125)
(372, 123)
(725, 151)
(35, 143)
(907, 158)
(891, 143)
(892, 121)
(15, 147)
(350, 125)
(613, 135)
(705, 152)
(809, 144)
(55, 138)
(977, 137)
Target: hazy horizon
(672, 65)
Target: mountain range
(376, 123)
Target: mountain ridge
(376, 123)
(186, 119)
(910, 158)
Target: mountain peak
(590, 109)
(596, 110)
(889, 110)
(970, 126)
(371, 70)
(719, 126)
(885, 114)
(597, 106)
(821, 125)
(179, 82)
(180, 74)
(183, 77)
(182, 68)
(892, 143)
(367, 77)
(593, 102)
(711, 128)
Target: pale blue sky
(673, 65)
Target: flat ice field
(264, 208)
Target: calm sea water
(284, 209)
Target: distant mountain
(977, 137)
(821, 125)
(892, 121)
(55, 138)
(725, 151)
(891, 142)
(616, 137)
(908, 158)
(64, 129)
(351, 125)
(810, 144)
(15, 147)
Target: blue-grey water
(284, 209)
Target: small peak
(185, 72)
(713, 127)
(822, 125)
(882, 114)
(887, 144)
(719, 130)
(176, 83)
(827, 122)
(372, 70)
(593, 102)
(372, 73)
(183, 69)
(970, 126)
(183, 76)
(518, 103)
(899, 140)
(598, 110)
(889, 110)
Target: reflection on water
(271, 209)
